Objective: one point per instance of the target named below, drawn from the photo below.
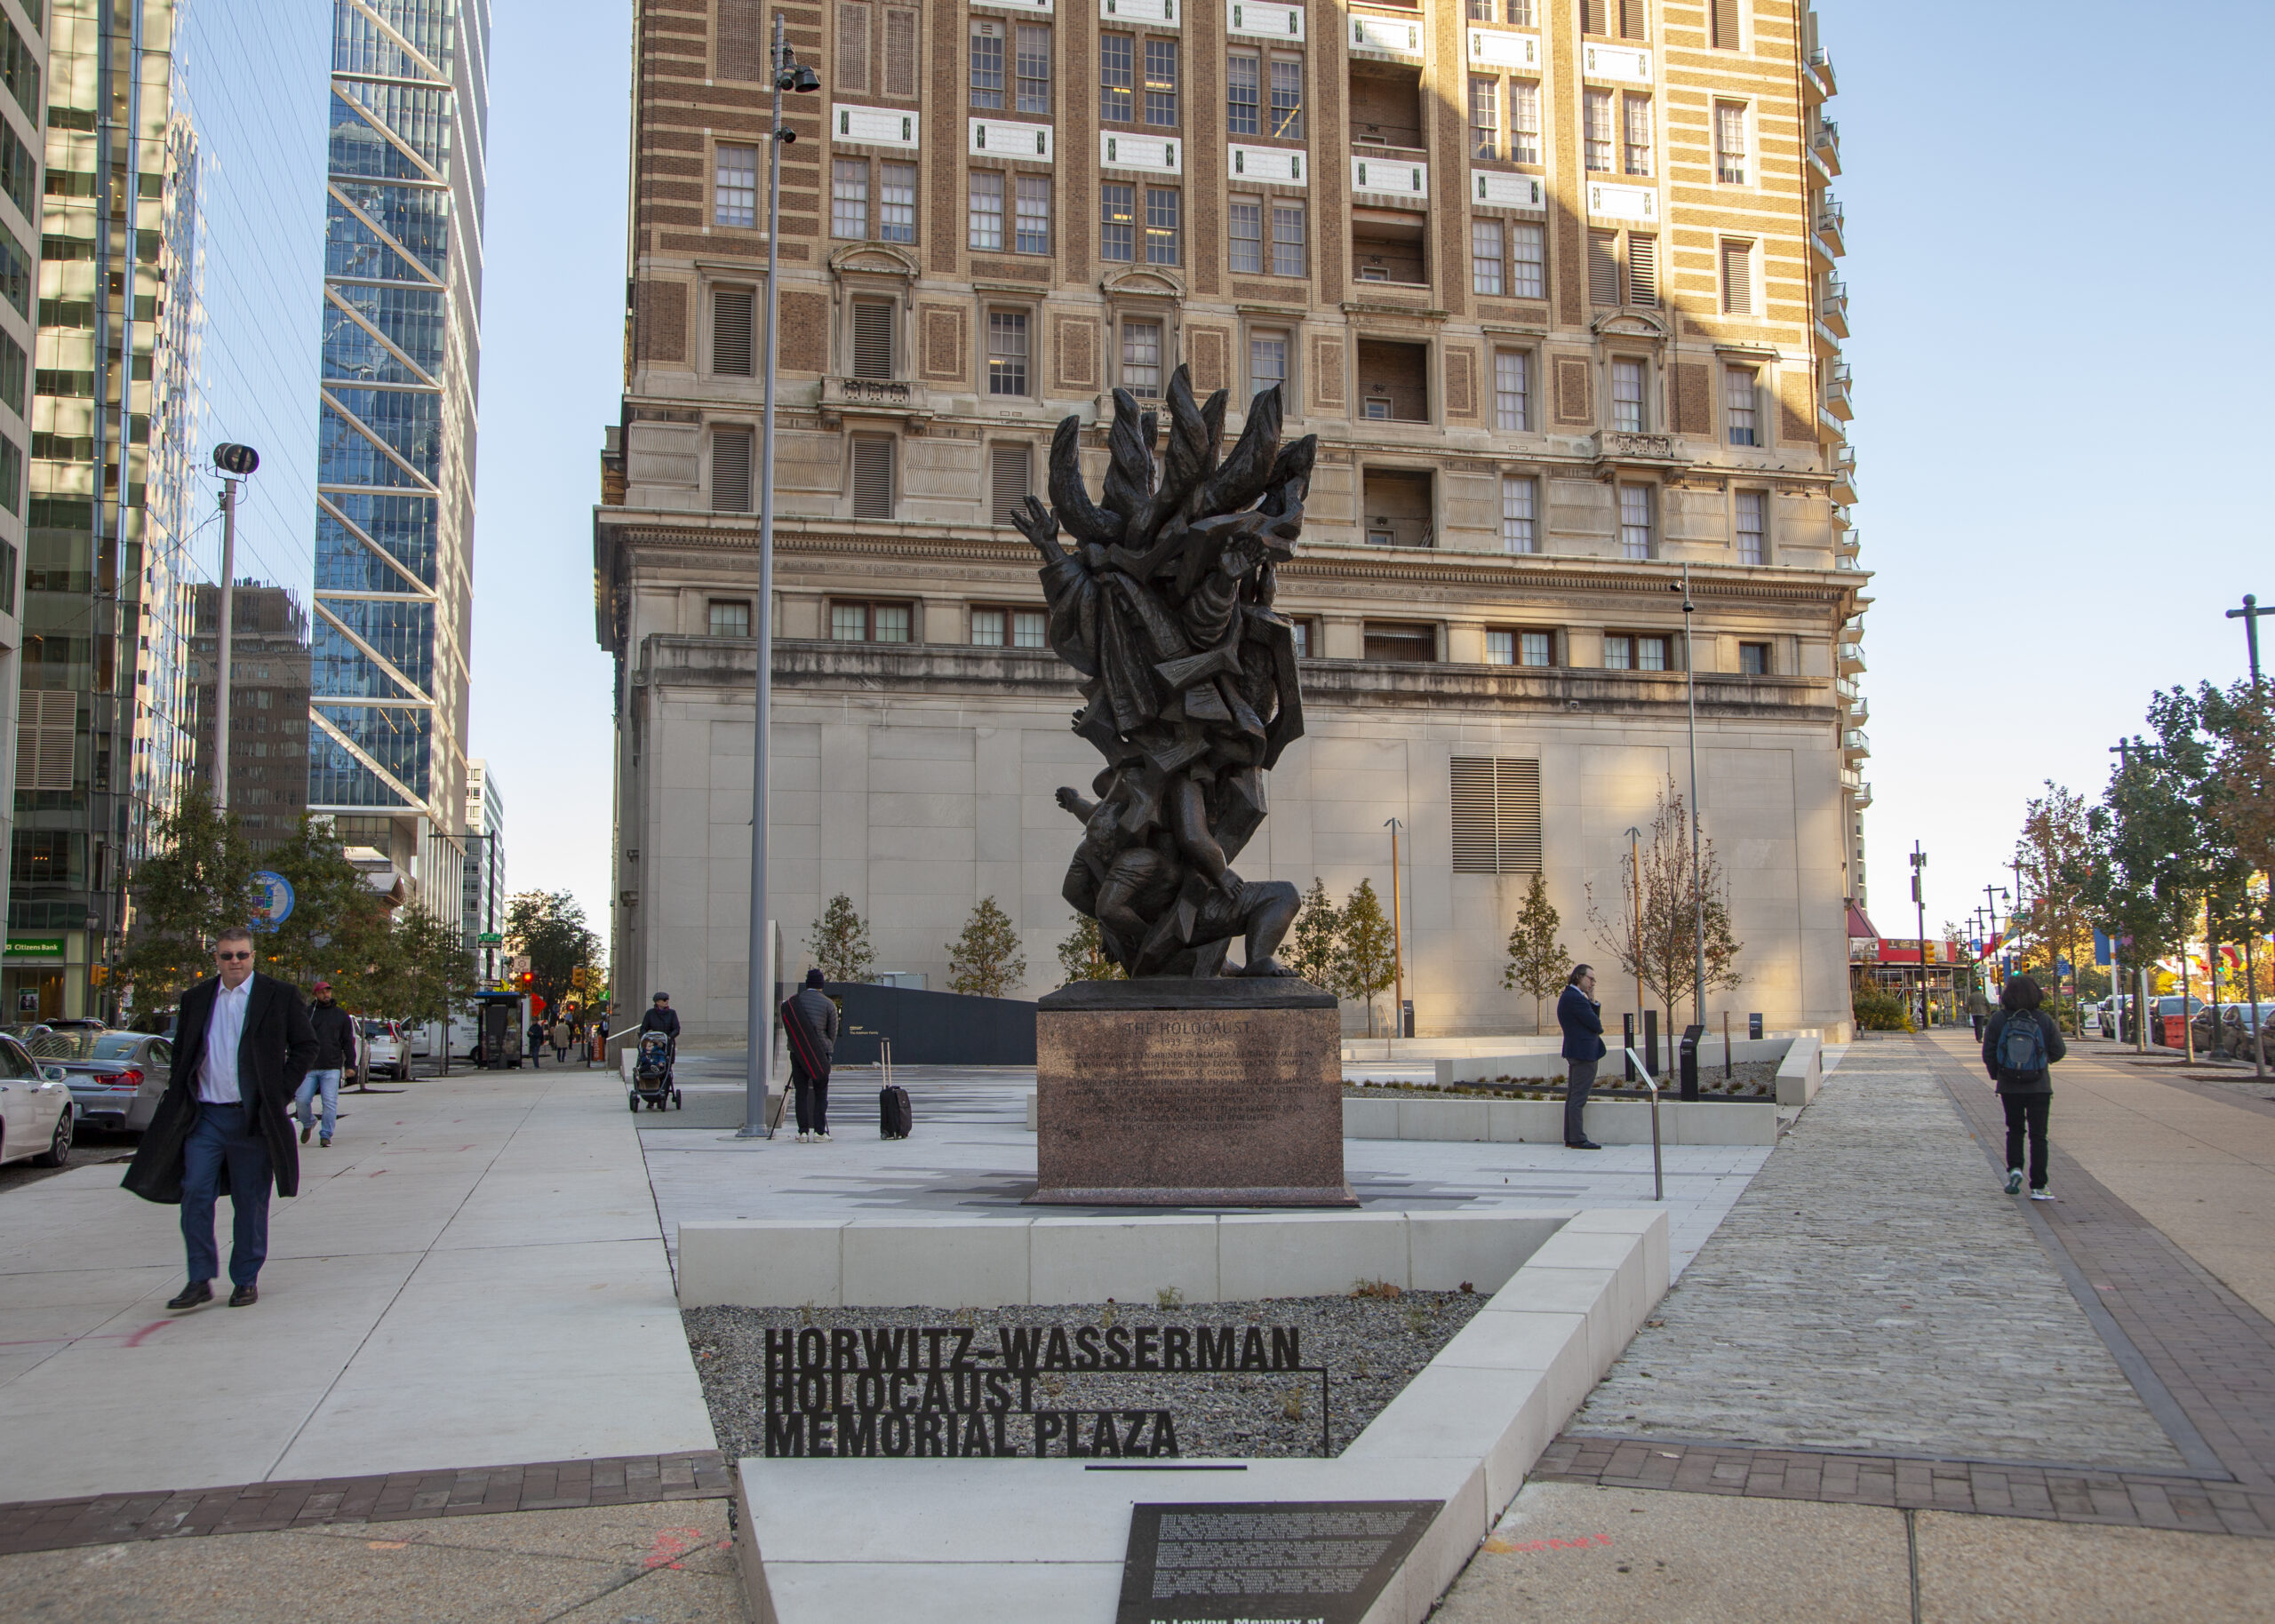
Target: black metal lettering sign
(1289, 1562)
(926, 1390)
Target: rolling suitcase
(892, 1100)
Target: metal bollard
(1658, 1176)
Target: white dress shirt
(217, 1077)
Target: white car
(36, 1116)
(386, 1052)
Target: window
(1627, 397)
(1726, 25)
(1500, 648)
(1753, 659)
(1247, 222)
(1008, 628)
(1034, 64)
(1286, 239)
(1603, 267)
(1399, 640)
(1741, 397)
(896, 214)
(986, 64)
(1302, 629)
(1634, 522)
(1528, 261)
(871, 337)
(873, 486)
(1642, 269)
(731, 470)
(1496, 816)
(1010, 476)
(734, 197)
(869, 623)
(1524, 121)
(1267, 361)
(1377, 411)
(1512, 394)
(729, 617)
(1033, 234)
(1480, 11)
(1485, 251)
(1536, 647)
(1598, 142)
(1484, 117)
(1752, 527)
(1117, 78)
(1161, 81)
(1737, 278)
(849, 198)
(1624, 652)
(1636, 150)
(730, 331)
(1243, 94)
(1520, 499)
(1161, 229)
(1007, 352)
(1117, 222)
(1287, 98)
(1729, 143)
(986, 212)
(1141, 359)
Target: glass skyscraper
(395, 453)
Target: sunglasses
(225, 957)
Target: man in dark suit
(1582, 1019)
(242, 1048)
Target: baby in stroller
(652, 1082)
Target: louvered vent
(872, 477)
(1496, 816)
(1642, 270)
(1603, 267)
(872, 338)
(47, 735)
(853, 45)
(1726, 25)
(731, 470)
(900, 53)
(730, 331)
(1737, 279)
(1011, 478)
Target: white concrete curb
(1801, 1073)
(1043, 1541)
(1542, 1121)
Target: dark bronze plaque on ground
(1272, 1562)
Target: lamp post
(1919, 908)
(1697, 877)
(236, 461)
(787, 75)
(1635, 874)
(1397, 954)
(1990, 895)
(2249, 614)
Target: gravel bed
(1371, 1346)
(1750, 1080)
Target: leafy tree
(840, 941)
(1538, 963)
(1315, 943)
(986, 960)
(1082, 956)
(196, 883)
(1660, 948)
(340, 929)
(1366, 958)
(431, 973)
(549, 927)
(2055, 857)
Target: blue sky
(2055, 233)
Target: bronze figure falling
(1163, 606)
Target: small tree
(840, 941)
(986, 960)
(1660, 947)
(549, 927)
(196, 883)
(1366, 958)
(1082, 956)
(433, 973)
(1315, 943)
(1538, 963)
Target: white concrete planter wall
(1802, 1072)
(1542, 1121)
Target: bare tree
(1660, 948)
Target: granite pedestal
(1173, 1093)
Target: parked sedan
(116, 1078)
(37, 1115)
(385, 1051)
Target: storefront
(45, 975)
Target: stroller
(652, 1075)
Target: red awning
(1858, 925)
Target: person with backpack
(2019, 1049)
(809, 1019)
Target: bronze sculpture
(1163, 607)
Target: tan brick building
(1551, 279)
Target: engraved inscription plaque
(1300, 1562)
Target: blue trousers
(225, 1135)
(304, 1101)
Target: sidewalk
(473, 1275)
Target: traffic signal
(577, 976)
(526, 980)
(97, 974)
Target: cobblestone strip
(1873, 1292)
(2135, 1499)
(255, 1508)
(2212, 1351)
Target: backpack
(2022, 1045)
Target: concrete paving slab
(1976, 1569)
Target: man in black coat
(1582, 1019)
(242, 1048)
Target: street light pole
(1397, 954)
(2249, 614)
(1698, 875)
(759, 1022)
(1920, 907)
(238, 461)
(1635, 874)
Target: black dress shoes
(245, 1296)
(1585, 1144)
(194, 1294)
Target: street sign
(276, 899)
(520, 965)
(489, 938)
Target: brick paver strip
(252, 1508)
